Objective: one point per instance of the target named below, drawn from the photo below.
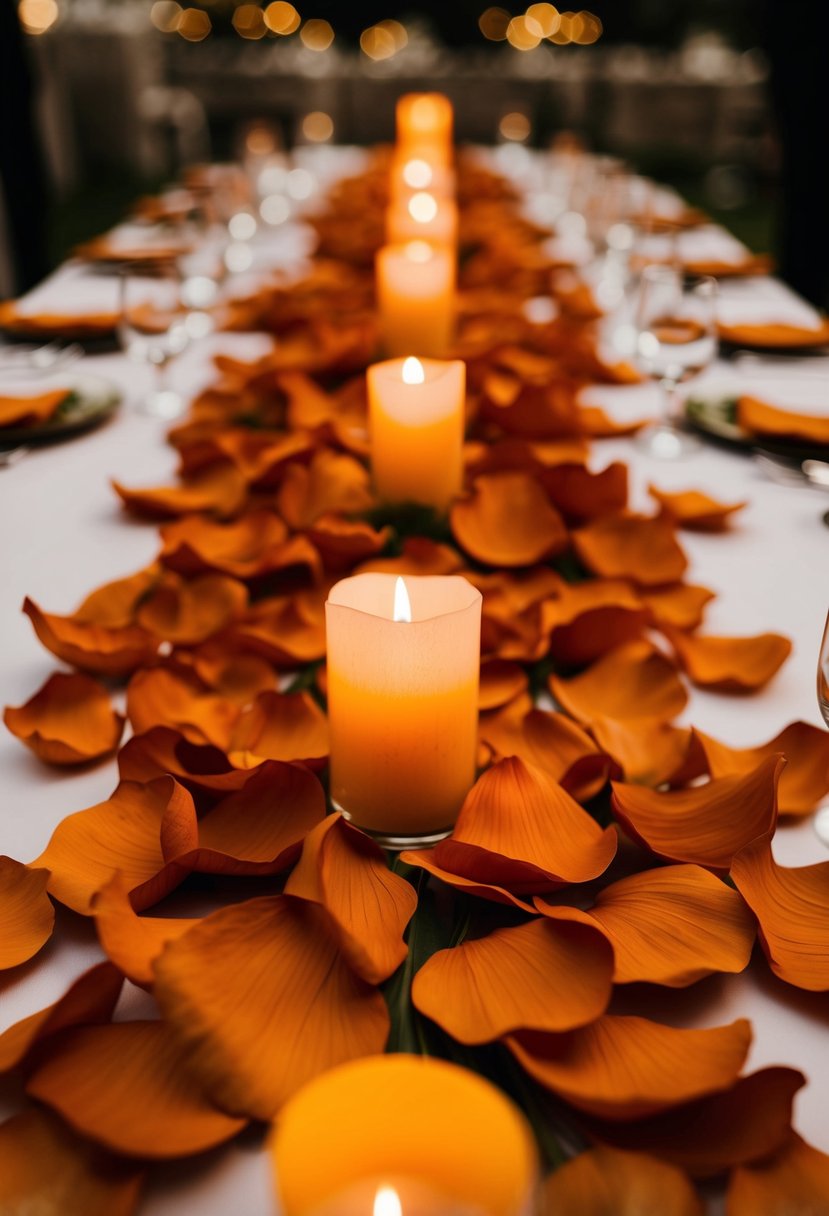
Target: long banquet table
(63, 532)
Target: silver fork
(41, 358)
(787, 473)
(9, 457)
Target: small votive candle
(411, 173)
(424, 120)
(416, 423)
(403, 668)
(422, 216)
(403, 1125)
(416, 298)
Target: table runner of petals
(602, 845)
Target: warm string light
(37, 16)
(383, 40)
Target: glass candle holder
(416, 298)
(403, 670)
(416, 422)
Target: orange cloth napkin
(55, 325)
(27, 411)
(783, 336)
(758, 418)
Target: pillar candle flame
(402, 605)
(412, 371)
(387, 1201)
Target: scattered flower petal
(90, 647)
(507, 520)
(794, 1182)
(734, 665)
(609, 1182)
(284, 726)
(631, 546)
(805, 779)
(27, 916)
(695, 510)
(633, 681)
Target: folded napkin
(132, 243)
(72, 303)
(706, 250)
(771, 316)
(29, 411)
(759, 418)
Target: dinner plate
(715, 416)
(92, 400)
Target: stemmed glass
(153, 328)
(676, 339)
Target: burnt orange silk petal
(543, 975)
(159, 696)
(163, 750)
(633, 681)
(423, 859)
(794, 1182)
(792, 908)
(628, 1067)
(284, 726)
(420, 556)
(287, 630)
(610, 1182)
(519, 829)
(89, 1000)
(218, 489)
(130, 941)
(507, 520)
(735, 665)
(260, 1000)
(501, 681)
(27, 916)
(648, 750)
(123, 833)
(549, 741)
(672, 926)
(125, 1086)
(346, 873)
(68, 721)
(707, 824)
(186, 613)
(94, 648)
(114, 604)
(45, 1169)
(331, 482)
(343, 542)
(705, 1137)
(695, 510)
(581, 495)
(246, 549)
(680, 606)
(588, 619)
(805, 779)
(237, 677)
(631, 546)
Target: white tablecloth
(63, 532)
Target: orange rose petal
(680, 606)
(581, 495)
(648, 751)
(332, 482)
(90, 999)
(541, 975)
(705, 1137)
(186, 613)
(123, 833)
(534, 411)
(549, 741)
(707, 824)
(501, 681)
(792, 908)
(507, 520)
(804, 780)
(289, 630)
(734, 665)
(597, 423)
(260, 1000)
(794, 1182)
(93, 648)
(161, 697)
(284, 726)
(631, 546)
(346, 873)
(420, 556)
(130, 941)
(695, 510)
(114, 604)
(632, 681)
(236, 677)
(245, 549)
(262, 459)
(627, 1067)
(27, 916)
(163, 751)
(218, 489)
(342, 542)
(672, 926)
(47, 1170)
(260, 829)
(423, 859)
(68, 721)
(519, 829)
(610, 1182)
(126, 1087)
(588, 619)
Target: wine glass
(676, 339)
(153, 329)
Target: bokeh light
(384, 39)
(194, 25)
(37, 16)
(317, 34)
(494, 23)
(417, 174)
(249, 21)
(317, 127)
(423, 207)
(514, 127)
(543, 18)
(165, 16)
(282, 18)
(523, 35)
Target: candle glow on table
(422, 216)
(425, 121)
(416, 422)
(403, 702)
(406, 1124)
(410, 173)
(416, 298)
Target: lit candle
(422, 216)
(424, 121)
(416, 420)
(416, 298)
(410, 173)
(404, 1121)
(403, 664)
(398, 1197)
